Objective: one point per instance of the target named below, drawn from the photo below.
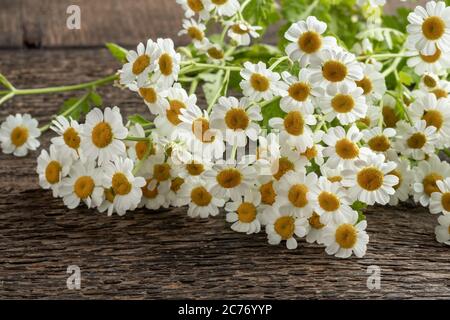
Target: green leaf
(117, 52)
(261, 12)
(95, 99)
(405, 78)
(136, 118)
(210, 88)
(272, 110)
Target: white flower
(102, 133)
(124, 186)
(299, 93)
(225, 8)
(307, 40)
(415, 141)
(313, 227)
(373, 116)
(402, 188)
(160, 171)
(341, 240)
(440, 200)
(84, 183)
(260, 83)
(443, 230)
(52, 167)
(287, 161)
(69, 139)
(173, 196)
(192, 7)
(18, 134)
(153, 95)
(436, 63)
(283, 226)
(197, 193)
(241, 32)
(140, 63)
(194, 167)
(331, 202)
(237, 120)
(168, 63)
(426, 175)
(378, 140)
(138, 150)
(294, 194)
(373, 83)
(347, 104)
(154, 194)
(315, 152)
(195, 31)
(244, 213)
(231, 179)
(429, 28)
(371, 180)
(332, 67)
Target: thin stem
(233, 152)
(381, 56)
(193, 87)
(394, 65)
(308, 10)
(277, 62)
(133, 138)
(6, 97)
(219, 91)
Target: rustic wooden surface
(166, 254)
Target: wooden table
(164, 254)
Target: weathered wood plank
(166, 254)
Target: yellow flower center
(174, 111)
(389, 117)
(102, 135)
(334, 71)
(120, 184)
(379, 143)
(343, 103)
(19, 135)
(310, 153)
(314, 221)
(429, 183)
(176, 184)
(195, 169)
(284, 165)
(195, 5)
(195, 33)
(200, 196)
(370, 178)
(259, 82)
(294, 123)
(297, 195)
(149, 94)
(246, 212)
(285, 227)
(429, 81)
(346, 149)
(433, 28)
(147, 193)
(416, 140)
(161, 172)
(399, 176)
(142, 148)
(165, 63)
(445, 201)
(236, 28)
(346, 236)
(366, 85)
(71, 138)
(219, 2)
(309, 42)
(109, 195)
(328, 201)
(267, 192)
(229, 178)
(215, 53)
(433, 118)
(140, 64)
(237, 119)
(52, 172)
(440, 93)
(200, 129)
(299, 91)
(335, 179)
(84, 186)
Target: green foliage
(211, 87)
(359, 207)
(138, 119)
(117, 52)
(261, 12)
(75, 107)
(271, 110)
(399, 21)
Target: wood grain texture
(165, 254)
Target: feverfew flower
(282, 226)
(443, 229)
(244, 213)
(440, 200)
(379, 140)
(259, 82)
(415, 141)
(153, 95)
(402, 188)
(241, 32)
(373, 83)
(167, 64)
(435, 63)
(195, 31)
(193, 7)
(225, 8)
(299, 93)
(69, 136)
(18, 134)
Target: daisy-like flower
(102, 133)
(193, 168)
(69, 136)
(415, 141)
(260, 83)
(342, 147)
(390, 116)
(241, 32)
(440, 201)
(378, 140)
(140, 63)
(373, 83)
(52, 167)
(435, 112)
(193, 7)
(429, 28)
(331, 202)
(315, 152)
(83, 184)
(225, 8)
(137, 150)
(426, 175)
(231, 179)
(442, 90)
(18, 134)
(295, 129)
(442, 231)
(214, 52)
(371, 180)
(307, 40)
(341, 240)
(244, 213)
(202, 203)
(299, 93)
(348, 104)
(313, 227)
(124, 187)
(173, 196)
(332, 174)
(195, 31)
(436, 63)
(204, 141)
(153, 95)
(332, 67)
(286, 162)
(154, 194)
(402, 188)
(237, 120)
(294, 194)
(282, 226)
(178, 98)
(160, 172)
(167, 64)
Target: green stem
(381, 56)
(219, 91)
(193, 87)
(394, 64)
(133, 138)
(309, 10)
(277, 62)
(447, 152)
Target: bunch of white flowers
(314, 138)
